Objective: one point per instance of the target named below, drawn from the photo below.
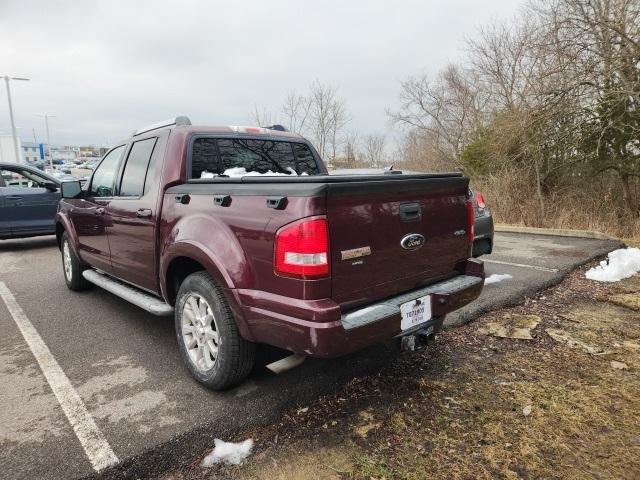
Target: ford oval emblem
(413, 241)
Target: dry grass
(514, 201)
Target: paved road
(124, 364)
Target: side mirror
(70, 189)
(50, 186)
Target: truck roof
(238, 130)
(184, 123)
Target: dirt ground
(549, 389)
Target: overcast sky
(106, 68)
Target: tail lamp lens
(480, 200)
(302, 249)
(470, 221)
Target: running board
(131, 294)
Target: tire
(208, 337)
(72, 268)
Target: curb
(556, 232)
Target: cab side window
(104, 176)
(135, 170)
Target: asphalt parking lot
(123, 366)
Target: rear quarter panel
(237, 240)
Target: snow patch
(242, 172)
(621, 263)
(228, 452)
(496, 277)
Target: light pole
(46, 124)
(13, 125)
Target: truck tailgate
(367, 224)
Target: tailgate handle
(277, 203)
(410, 212)
(222, 200)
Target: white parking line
(534, 267)
(91, 438)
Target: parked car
(483, 225)
(40, 164)
(240, 234)
(90, 164)
(28, 201)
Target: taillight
(480, 200)
(302, 249)
(470, 220)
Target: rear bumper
(483, 235)
(318, 328)
(483, 227)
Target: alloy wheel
(200, 332)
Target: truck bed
(363, 212)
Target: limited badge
(355, 253)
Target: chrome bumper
(391, 306)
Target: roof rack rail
(177, 121)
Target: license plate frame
(416, 312)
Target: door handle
(14, 197)
(143, 213)
(99, 211)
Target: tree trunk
(539, 192)
(628, 195)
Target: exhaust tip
(287, 363)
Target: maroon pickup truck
(243, 236)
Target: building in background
(38, 152)
(32, 152)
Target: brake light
(253, 130)
(480, 200)
(302, 249)
(470, 220)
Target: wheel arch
(185, 259)
(64, 225)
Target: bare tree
(327, 117)
(261, 116)
(374, 150)
(339, 120)
(446, 109)
(296, 110)
(350, 144)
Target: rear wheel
(208, 338)
(72, 267)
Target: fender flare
(212, 264)
(201, 254)
(67, 226)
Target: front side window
(135, 170)
(104, 175)
(21, 179)
(236, 157)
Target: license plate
(415, 312)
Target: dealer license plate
(415, 312)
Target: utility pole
(13, 124)
(46, 124)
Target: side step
(131, 294)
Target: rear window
(239, 157)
